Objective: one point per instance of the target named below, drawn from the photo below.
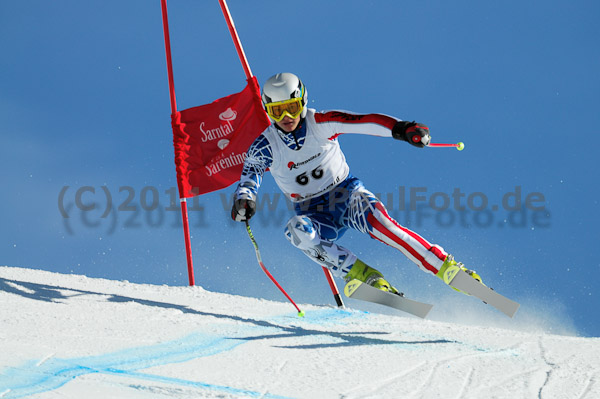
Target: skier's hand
(243, 209)
(416, 134)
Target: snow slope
(69, 336)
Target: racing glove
(243, 209)
(416, 134)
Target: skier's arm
(258, 159)
(341, 122)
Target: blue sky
(84, 103)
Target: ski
(464, 282)
(356, 289)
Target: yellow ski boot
(449, 269)
(368, 275)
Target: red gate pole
(236, 39)
(248, 72)
(183, 202)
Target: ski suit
(310, 168)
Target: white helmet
(284, 86)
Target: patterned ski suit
(310, 169)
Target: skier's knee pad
(301, 232)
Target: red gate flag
(211, 140)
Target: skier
(301, 150)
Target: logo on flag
(228, 115)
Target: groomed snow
(69, 336)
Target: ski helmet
(282, 87)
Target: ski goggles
(278, 110)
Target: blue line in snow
(325, 316)
(29, 379)
(194, 384)
(33, 378)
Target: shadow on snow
(55, 294)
